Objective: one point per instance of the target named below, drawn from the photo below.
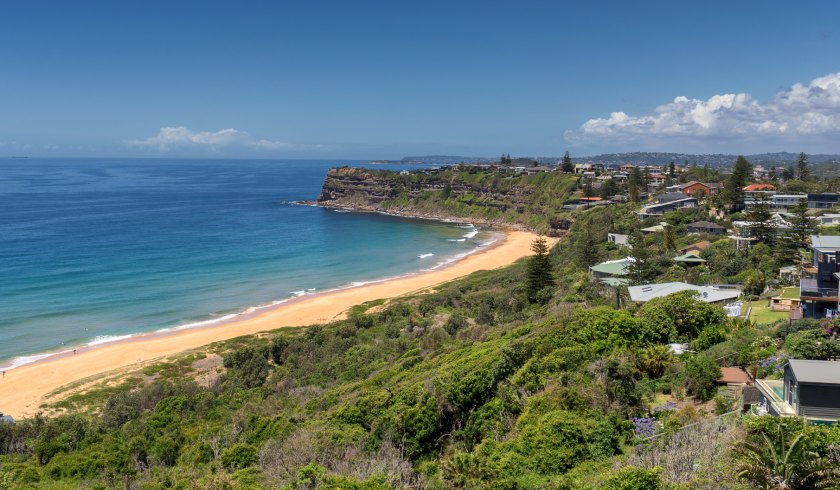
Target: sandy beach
(23, 389)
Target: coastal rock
(491, 197)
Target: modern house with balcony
(809, 389)
(819, 283)
(825, 200)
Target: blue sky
(386, 79)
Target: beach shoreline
(22, 389)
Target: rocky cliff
(494, 197)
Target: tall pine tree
(567, 165)
(540, 277)
(802, 226)
(758, 216)
(635, 181)
(802, 167)
(733, 188)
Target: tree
(802, 167)
(609, 188)
(679, 316)
(669, 239)
(779, 465)
(588, 190)
(733, 188)
(634, 183)
(654, 360)
(642, 269)
(585, 251)
(758, 216)
(802, 226)
(567, 165)
(701, 372)
(788, 173)
(812, 344)
(540, 278)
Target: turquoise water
(93, 250)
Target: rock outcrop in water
(493, 197)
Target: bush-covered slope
(471, 386)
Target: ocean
(94, 250)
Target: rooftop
(613, 267)
(733, 375)
(702, 245)
(825, 243)
(820, 372)
(705, 224)
(759, 187)
(707, 294)
(689, 257)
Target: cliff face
(482, 196)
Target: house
(654, 229)
(8, 419)
(583, 167)
(752, 192)
(809, 389)
(707, 294)
(660, 209)
(668, 197)
(735, 379)
(829, 219)
(778, 202)
(613, 272)
(819, 283)
(696, 248)
(706, 227)
(699, 189)
(618, 239)
(657, 178)
(779, 221)
(823, 201)
(689, 259)
(760, 188)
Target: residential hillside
(690, 348)
(499, 197)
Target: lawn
(761, 314)
(790, 293)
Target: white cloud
(800, 112)
(180, 138)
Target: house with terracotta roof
(699, 188)
(759, 187)
(696, 248)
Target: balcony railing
(810, 288)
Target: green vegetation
(531, 376)
(501, 197)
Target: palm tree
(774, 464)
(655, 360)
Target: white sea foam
(104, 339)
(24, 360)
(212, 321)
(425, 256)
(457, 239)
(298, 293)
(471, 234)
